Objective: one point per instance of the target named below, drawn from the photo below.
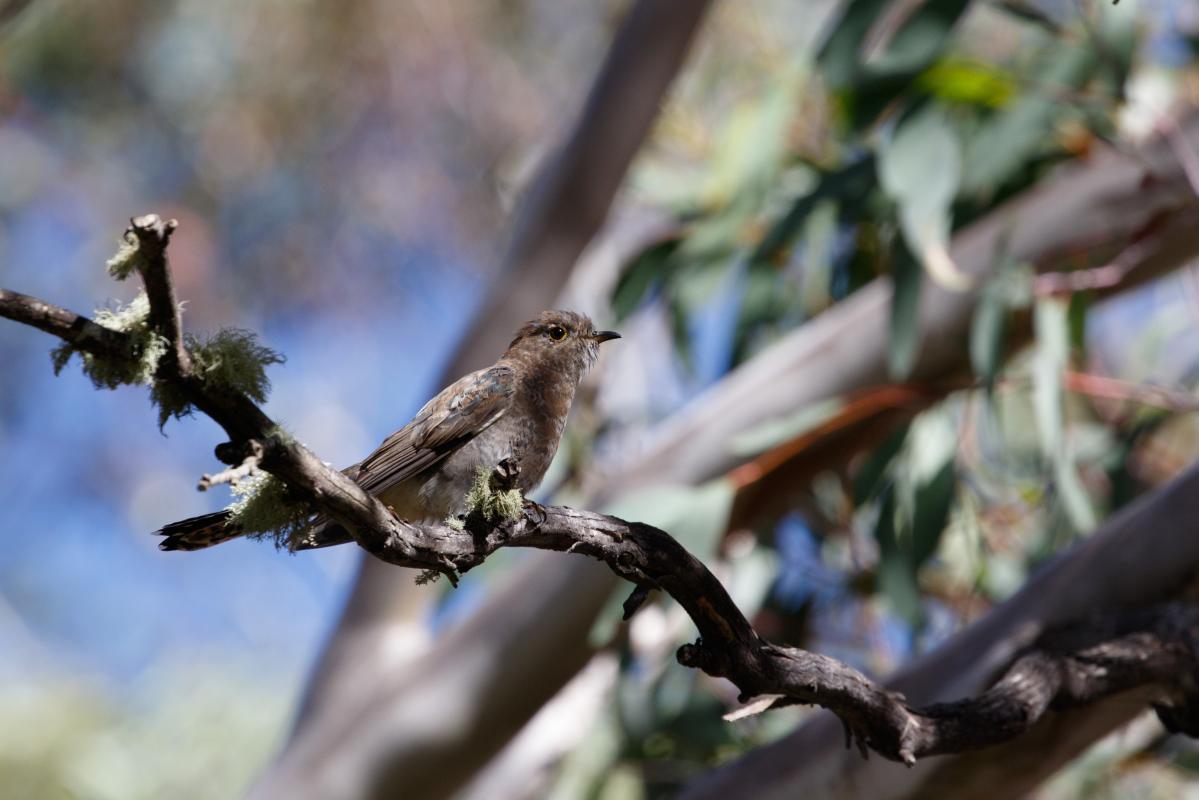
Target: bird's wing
(462, 411)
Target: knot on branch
(702, 657)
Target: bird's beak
(604, 336)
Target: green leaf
(1023, 11)
(1075, 500)
(849, 186)
(1051, 324)
(988, 330)
(640, 276)
(896, 571)
(905, 315)
(1080, 304)
(869, 85)
(751, 143)
(1009, 288)
(970, 82)
(933, 502)
(1014, 136)
(1052, 343)
(839, 58)
(869, 476)
(919, 167)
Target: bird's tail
(196, 533)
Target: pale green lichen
(263, 507)
(231, 360)
(491, 504)
(122, 265)
(145, 348)
(454, 522)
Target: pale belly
(441, 491)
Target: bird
(512, 412)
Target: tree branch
(1157, 648)
(66, 325)
(244, 469)
(151, 234)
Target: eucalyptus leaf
(1008, 288)
(1052, 345)
(640, 276)
(896, 570)
(988, 329)
(1008, 141)
(1075, 500)
(869, 81)
(849, 185)
(933, 502)
(839, 58)
(919, 168)
(971, 82)
(905, 316)
(869, 477)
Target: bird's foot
(504, 476)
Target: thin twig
(153, 235)
(248, 466)
(1109, 275)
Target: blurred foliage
(188, 733)
(902, 124)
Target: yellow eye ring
(556, 333)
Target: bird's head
(561, 340)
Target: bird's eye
(556, 333)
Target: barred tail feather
(196, 533)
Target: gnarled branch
(1158, 648)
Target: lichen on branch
(266, 507)
(231, 360)
(493, 504)
(137, 366)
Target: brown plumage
(514, 409)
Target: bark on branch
(1157, 648)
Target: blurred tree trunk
(420, 749)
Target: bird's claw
(504, 475)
